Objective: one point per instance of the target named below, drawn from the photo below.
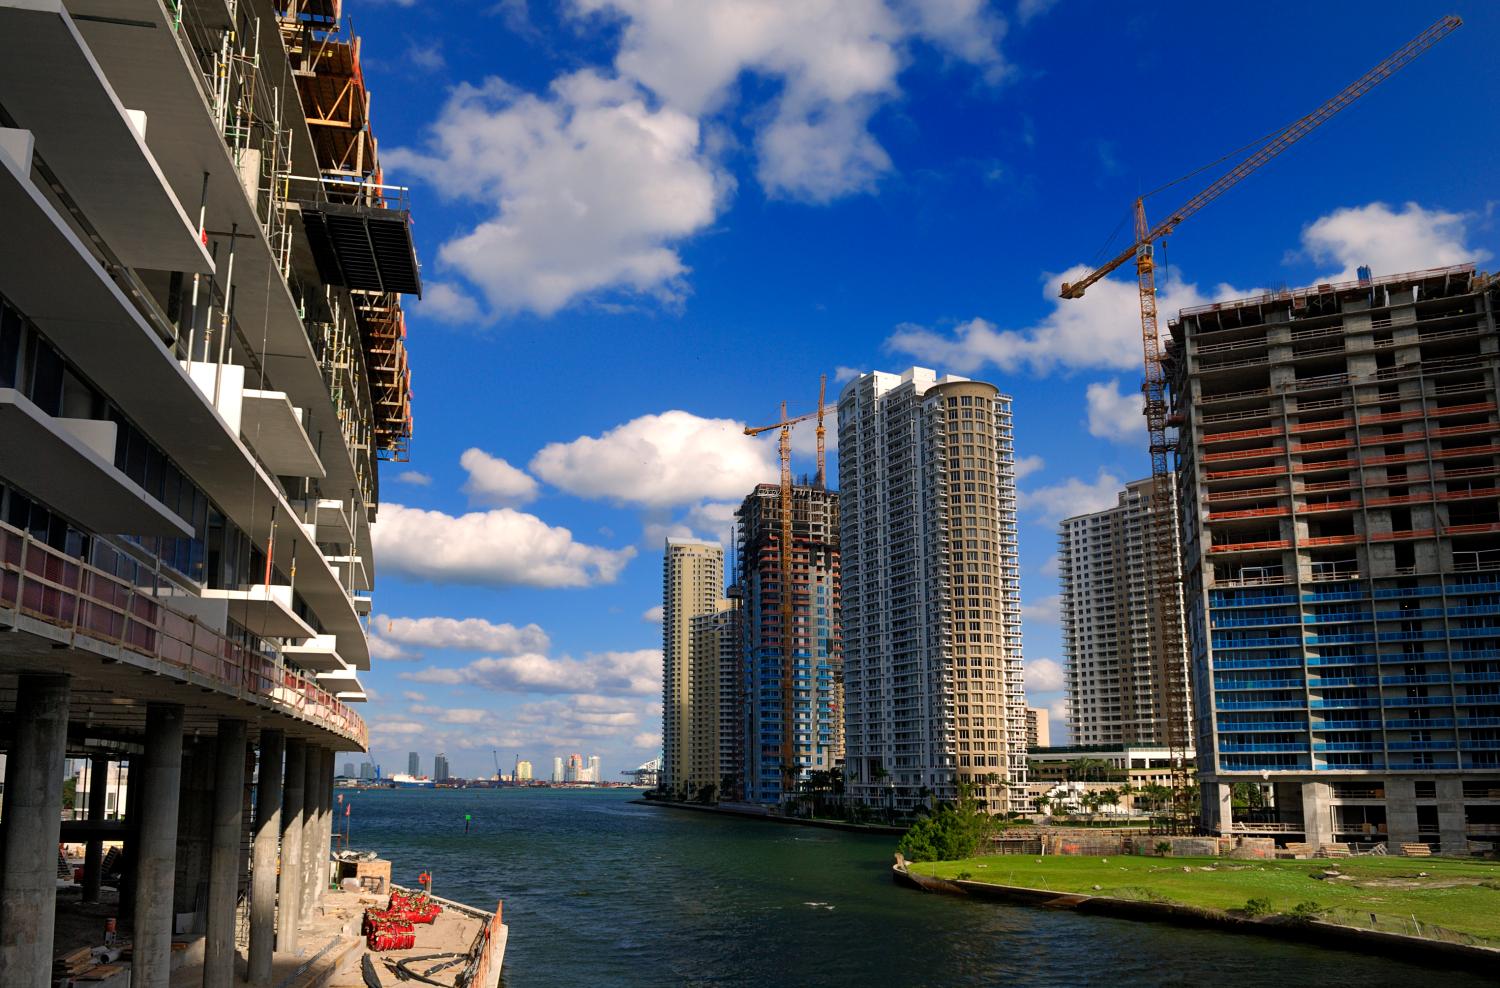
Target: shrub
(1306, 912)
(964, 876)
(1258, 907)
(1163, 847)
(952, 833)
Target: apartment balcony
(263, 610)
(1339, 682)
(316, 654)
(94, 145)
(72, 605)
(1330, 726)
(1447, 745)
(1235, 727)
(1232, 749)
(1347, 746)
(1297, 704)
(1257, 684)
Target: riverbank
(749, 814)
(1434, 911)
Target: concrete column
(156, 863)
(33, 823)
(263, 860)
(289, 891)
(325, 817)
(224, 855)
(93, 849)
(1452, 819)
(1400, 812)
(311, 822)
(1317, 821)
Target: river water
(601, 892)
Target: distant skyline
(643, 226)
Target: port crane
(784, 552)
(1166, 575)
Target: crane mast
(1164, 573)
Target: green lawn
(1449, 896)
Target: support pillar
(93, 849)
(289, 891)
(312, 775)
(263, 860)
(325, 833)
(33, 823)
(224, 855)
(1317, 816)
(156, 862)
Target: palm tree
(1043, 802)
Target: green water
(598, 891)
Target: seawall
(747, 814)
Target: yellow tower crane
(784, 554)
(1167, 579)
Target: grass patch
(1463, 896)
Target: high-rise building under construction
(931, 590)
(1341, 556)
(1113, 643)
(778, 752)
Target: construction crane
(784, 553)
(1168, 584)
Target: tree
(954, 832)
(1043, 802)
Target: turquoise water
(598, 891)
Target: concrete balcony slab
(263, 610)
(68, 463)
(272, 426)
(318, 654)
(96, 148)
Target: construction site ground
(1457, 895)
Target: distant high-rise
(366, 770)
(574, 770)
(557, 768)
(1038, 728)
(348, 770)
(692, 585)
(523, 771)
(595, 775)
(714, 643)
(816, 701)
(930, 590)
(440, 768)
(1111, 625)
(413, 764)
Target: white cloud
(495, 548)
(403, 728)
(446, 301)
(588, 188)
(467, 634)
(427, 57)
(1042, 611)
(659, 461)
(414, 477)
(1115, 416)
(652, 615)
(494, 482)
(1028, 465)
(1027, 10)
(384, 650)
(455, 715)
(842, 374)
(637, 672)
(1102, 330)
(1390, 241)
(647, 739)
(1073, 496)
(1044, 676)
(413, 696)
(1052, 567)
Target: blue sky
(645, 223)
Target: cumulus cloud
(385, 650)
(466, 634)
(1114, 416)
(652, 615)
(1028, 465)
(1044, 676)
(1073, 496)
(1043, 610)
(495, 548)
(1390, 241)
(494, 482)
(637, 673)
(589, 187)
(1052, 567)
(659, 461)
(413, 696)
(592, 186)
(402, 728)
(414, 477)
(842, 374)
(647, 739)
(454, 715)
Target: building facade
(198, 377)
(1113, 646)
(774, 762)
(413, 764)
(715, 651)
(440, 772)
(523, 771)
(1341, 555)
(930, 590)
(692, 586)
(1038, 728)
